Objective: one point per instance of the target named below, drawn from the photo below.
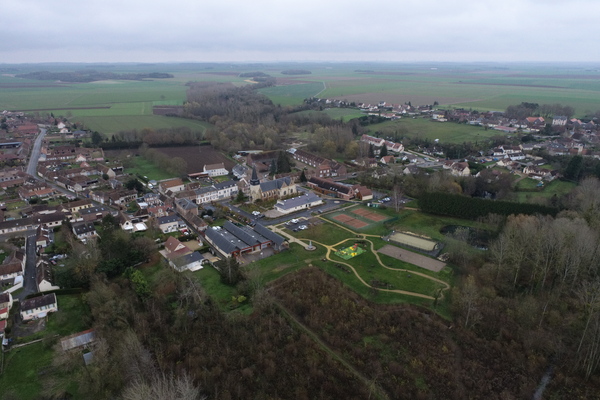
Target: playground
(350, 252)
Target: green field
(556, 187)
(292, 94)
(424, 128)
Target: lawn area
(427, 224)
(325, 233)
(143, 167)
(423, 128)
(22, 370)
(296, 257)
(210, 280)
(527, 184)
(556, 187)
(72, 316)
(370, 270)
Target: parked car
(294, 221)
(303, 227)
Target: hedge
(456, 205)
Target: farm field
(197, 156)
(294, 94)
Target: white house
(215, 169)
(169, 223)
(38, 307)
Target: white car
(303, 227)
(294, 221)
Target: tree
(230, 271)
(133, 183)
(383, 152)
(574, 168)
(96, 138)
(397, 195)
(371, 151)
(303, 177)
(283, 163)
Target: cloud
(188, 30)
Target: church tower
(255, 192)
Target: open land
(413, 258)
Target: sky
(308, 30)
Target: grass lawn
(296, 257)
(22, 370)
(210, 280)
(446, 132)
(369, 269)
(427, 224)
(325, 233)
(527, 184)
(144, 167)
(556, 187)
(72, 316)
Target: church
(268, 190)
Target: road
(35, 154)
(29, 276)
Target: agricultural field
(294, 94)
(197, 156)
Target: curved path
(331, 248)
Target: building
(38, 307)
(84, 230)
(173, 185)
(298, 203)
(233, 241)
(44, 277)
(169, 223)
(215, 170)
(331, 188)
(274, 189)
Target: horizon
(267, 31)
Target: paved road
(29, 280)
(35, 154)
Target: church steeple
(254, 181)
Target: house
(44, 277)
(173, 185)
(457, 168)
(6, 302)
(186, 207)
(11, 269)
(233, 241)
(23, 224)
(75, 206)
(84, 230)
(387, 160)
(158, 211)
(190, 262)
(169, 223)
(240, 171)
(96, 213)
(38, 307)
(215, 170)
(302, 202)
(43, 236)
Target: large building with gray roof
(231, 240)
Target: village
(239, 213)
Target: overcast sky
(307, 30)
